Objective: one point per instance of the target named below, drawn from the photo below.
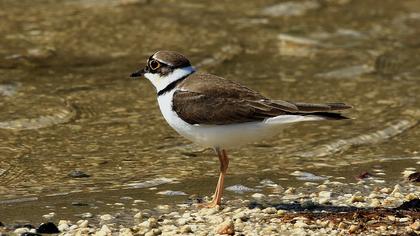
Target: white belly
(224, 136)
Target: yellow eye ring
(153, 64)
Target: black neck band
(172, 85)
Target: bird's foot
(211, 204)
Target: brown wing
(196, 108)
(214, 100)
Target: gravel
(323, 208)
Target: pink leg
(224, 163)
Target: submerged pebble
(151, 183)
(172, 193)
(291, 8)
(78, 174)
(351, 72)
(238, 188)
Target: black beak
(138, 73)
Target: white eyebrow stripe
(164, 62)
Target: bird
(219, 113)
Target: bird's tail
(325, 111)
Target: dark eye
(153, 64)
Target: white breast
(224, 136)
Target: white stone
(258, 196)
(106, 217)
(138, 215)
(20, 231)
(270, 210)
(63, 227)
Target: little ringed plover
(219, 113)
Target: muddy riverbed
(78, 136)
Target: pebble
(300, 224)
(47, 228)
(353, 228)
(87, 215)
(270, 210)
(106, 217)
(139, 215)
(290, 8)
(258, 196)
(49, 215)
(415, 226)
(241, 189)
(351, 72)
(21, 230)
(357, 198)
(104, 231)
(236, 218)
(186, 229)
(83, 224)
(78, 174)
(63, 226)
(172, 193)
(227, 227)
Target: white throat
(161, 82)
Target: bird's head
(165, 67)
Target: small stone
(77, 203)
(281, 212)
(270, 210)
(78, 174)
(154, 232)
(104, 230)
(391, 218)
(415, 226)
(353, 228)
(87, 215)
(227, 227)
(84, 224)
(258, 195)
(404, 219)
(63, 226)
(300, 224)
(138, 215)
(106, 217)
(73, 227)
(290, 8)
(186, 229)
(182, 221)
(375, 203)
(385, 190)
(48, 228)
(21, 230)
(357, 198)
(49, 215)
(150, 223)
(324, 194)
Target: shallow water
(66, 102)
